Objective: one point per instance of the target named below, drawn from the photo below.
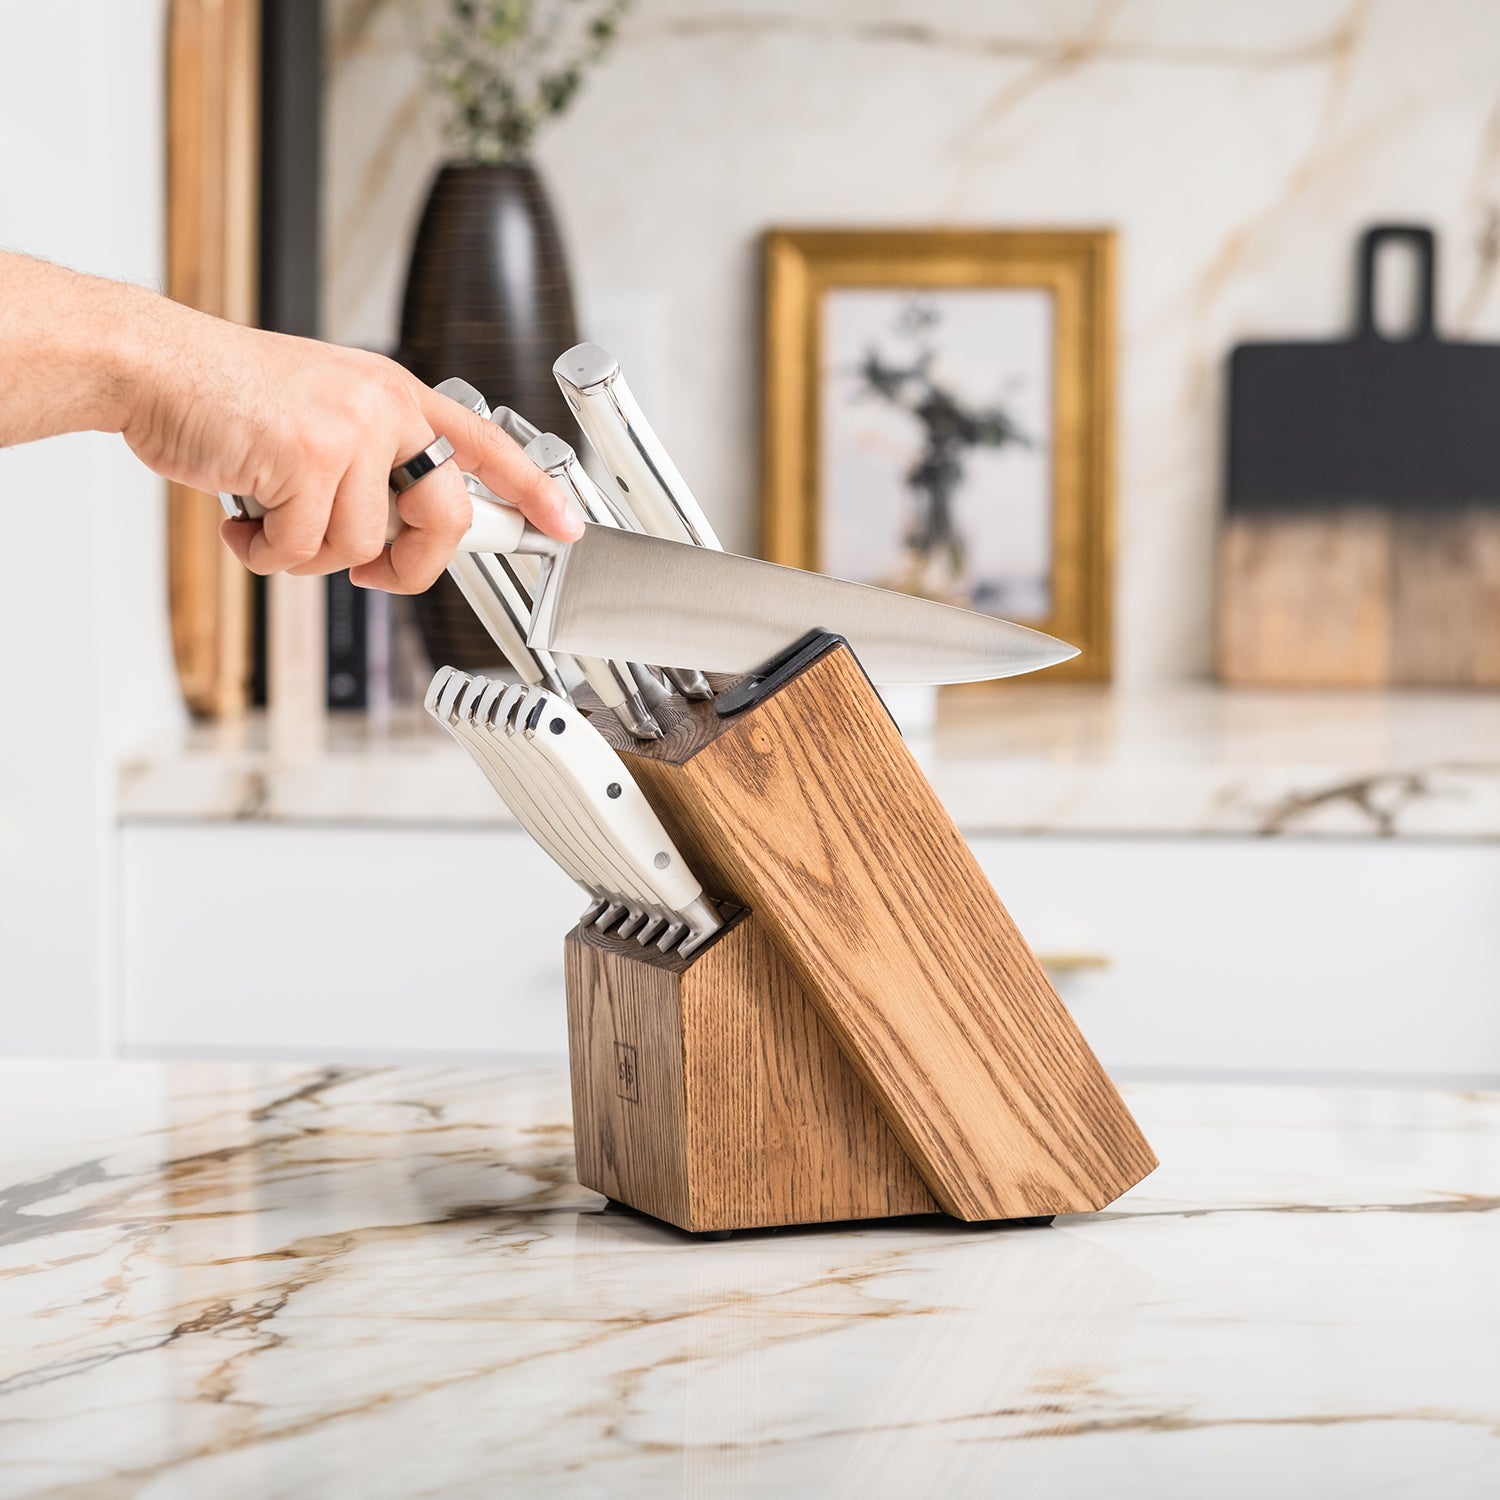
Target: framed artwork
(937, 419)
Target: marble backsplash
(1237, 147)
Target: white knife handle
(448, 686)
(568, 850)
(606, 683)
(499, 617)
(496, 527)
(514, 425)
(467, 396)
(602, 783)
(598, 674)
(614, 423)
(549, 453)
(556, 796)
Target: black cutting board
(1412, 423)
(1362, 540)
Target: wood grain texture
(810, 810)
(1445, 599)
(213, 80)
(708, 1092)
(1304, 600)
(1360, 597)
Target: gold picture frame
(1074, 272)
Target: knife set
(792, 996)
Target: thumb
(495, 458)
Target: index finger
(494, 457)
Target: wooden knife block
(870, 1037)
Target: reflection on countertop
(232, 1279)
(1009, 758)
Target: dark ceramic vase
(487, 299)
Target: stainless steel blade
(619, 593)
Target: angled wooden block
(809, 809)
(707, 1091)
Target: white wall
(1237, 145)
(84, 656)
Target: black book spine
(348, 644)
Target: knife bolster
(870, 916)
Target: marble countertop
(1013, 759)
(239, 1280)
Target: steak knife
(445, 694)
(628, 900)
(601, 785)
(500, 715)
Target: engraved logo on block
(627, 1076)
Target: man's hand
(311, 430)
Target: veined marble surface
(230, 1280)
(1017, 759)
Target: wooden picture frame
(1041, 300)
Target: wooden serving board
(809, 810)
(1361, 546)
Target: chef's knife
(658, 496)
(560, 463)
(660, 601)
(639, 598)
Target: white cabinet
(1224, 955)
(1269, 955)
(340, 942)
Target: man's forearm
(312, 430)
(69, 348)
